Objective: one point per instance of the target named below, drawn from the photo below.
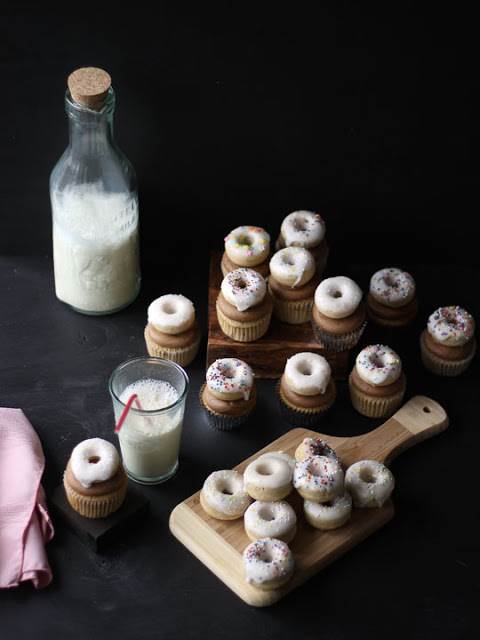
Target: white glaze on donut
(307, 373)
(329, 515)
(268, 472)
(94, 460)
(224, 492)
(337, 297)
(267, 560)
(171, 313)
(392, 287)
(244, 288)
(378, 365)
(303, 229)
(292, 266)
(247, 246)
(269, 519)
(369, 482)
(320, 475)
(314, 447)
(452, 326)
(280, 455)
(230, 378)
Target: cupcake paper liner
(182, 356)
(301, 417)
(95, 506)
(342, 342)
(374, 406)
(221, 422)
(441, 367)
(390, 322)
(293, 311)
(243, 331)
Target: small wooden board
(268, 355)
(219, 544)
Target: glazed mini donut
(292, 266)
(244, 288)
(303, 229)
(337, 297)
(378, 365)
(270, 520)
(223, 496)
(319, 479)
(307, 374)
(280, 455)
(172, 313)
(94, 460)
(392, 287)
(370, 483)
(268, 478)
(314, 447)
(268, 563)
(247, 246)
(230, 379)
(451, 326)
(329, 515)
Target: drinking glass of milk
(93, 192)
(151, 426)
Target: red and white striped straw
(128, 405)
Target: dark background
(236, 113)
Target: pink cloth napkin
(25, 525)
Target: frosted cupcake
(229, 394)
(338, 314)
(95, 482)
(244, 307)
(306, 390)
(292, 284)
(246, 247)
(448, 343)
(377, 382)
(392, 301)
(172, 332)
(305, 229)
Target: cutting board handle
(418, 419)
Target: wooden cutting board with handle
(219, 544)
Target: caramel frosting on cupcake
(340, 326)
(228, 407)
(248, 315)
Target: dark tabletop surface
(415, 578)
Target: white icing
(452, 326)
(303, 229)
(247, 246)
(224, 492)
(378, 365)
(392, 287)
(337, 297)
(292, 266)
(332, 514)
(171, 313)
(369, 482)
(307, 374)
(279, 455)
(268, 473)
(314, 447)
(94, 460)
(244, 288)
(267, 560)
(320, 475)
(230, 377)
(269, 519)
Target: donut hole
(227, 490)
(266, 514)
(264, 470)
(377, 361)
(305, 369)
(336, 293)
(314, 470)
(300, 224)
(228, 372)
(390, 281)
(93, 459)
(328, 504)
(168, 308)
(265, 556)
(426, 410)
(245, 241)
(240, 284)
(367, 476)
(288, 261)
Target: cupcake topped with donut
(306, 390)
(448, 343)
(229, 394)
(377, 382)
(392, 300)
(246, 246)
(305, 229)
(172, 331)
(292, 284)
(244, 306)
(338, 314)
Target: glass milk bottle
(93, 191)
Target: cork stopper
(89, 86)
